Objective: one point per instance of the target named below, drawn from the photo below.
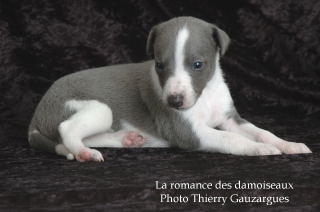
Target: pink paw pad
(89, 155)
(133, 139)
(83, 156)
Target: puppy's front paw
(264, 149)
(88, 154)
(294, 148)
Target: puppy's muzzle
(175, 101)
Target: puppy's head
(184, 50)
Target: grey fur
(221, 38)
(132, 91)
(41, 142)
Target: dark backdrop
(272, 67)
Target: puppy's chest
(211, 108)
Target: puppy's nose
(175, 101)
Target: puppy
(179, 98)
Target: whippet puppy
(179, 98)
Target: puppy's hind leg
(128, 137)
(119, 139)
(91, 117)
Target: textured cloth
(272, 68)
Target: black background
(272, 68)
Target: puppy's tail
(41, 142)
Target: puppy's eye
(197, 65)
(159, 65)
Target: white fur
(150, 141)
(213, 103)
(115, 139)
(260, 135)
(180, 83)
(91, 117)
(210, 111)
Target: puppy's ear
(221, 38)
(150, 42)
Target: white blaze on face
(180, 82)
